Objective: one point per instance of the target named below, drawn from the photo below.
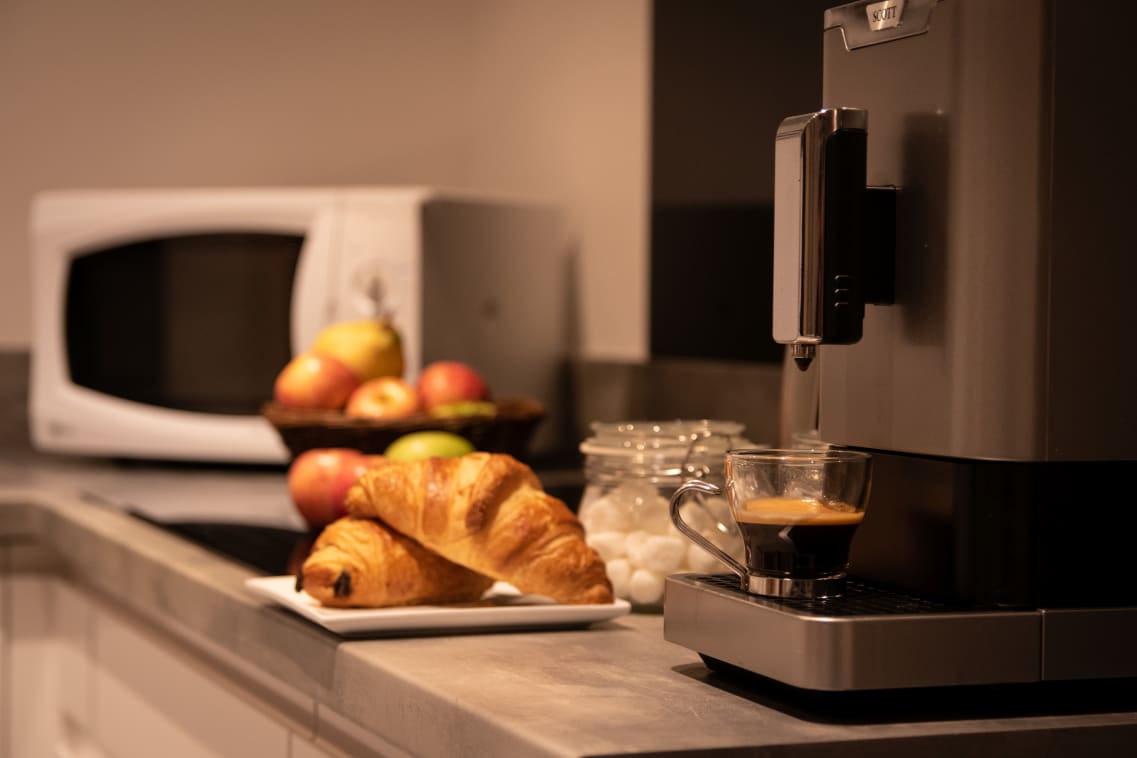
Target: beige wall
(536, 97)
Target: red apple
(318, 481)
(314, 381)
(387, 397)
(446, 382)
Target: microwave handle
(313, 305)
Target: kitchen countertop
(615, 688)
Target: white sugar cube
(652, 514)
(645, 587)
(633, 542)
(660, 554)
(605, 514)
(609, 545)
(619, 571)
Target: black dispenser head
(822, 248)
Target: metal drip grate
(871, 638)
(860, 599)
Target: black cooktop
(269, 550)
(276, 551)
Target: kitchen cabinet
(29, 692)
(82, 678)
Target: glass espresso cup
(797, 511)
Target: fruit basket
(509, 430)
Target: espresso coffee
(804, 539)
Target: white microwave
(161, 317)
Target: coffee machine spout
(803, 355)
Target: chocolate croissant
(358, 562)
(489, 513)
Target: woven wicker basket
(508, 431)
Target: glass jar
(631, 470)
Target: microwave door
(194, 323)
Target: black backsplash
(14, 433)
(712, 283)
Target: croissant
(487, 512)
(359, 562)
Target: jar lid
(675, 439)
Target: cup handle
(697, 485)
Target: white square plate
(501, 608)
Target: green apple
(464, 408)
(433, 444)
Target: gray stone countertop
(615, 688)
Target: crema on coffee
(797, 537)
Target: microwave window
(194, 323)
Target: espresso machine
(954, 259)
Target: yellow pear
(371, 347)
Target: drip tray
(860, 599)
(869, 639)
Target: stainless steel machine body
(997, 390)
